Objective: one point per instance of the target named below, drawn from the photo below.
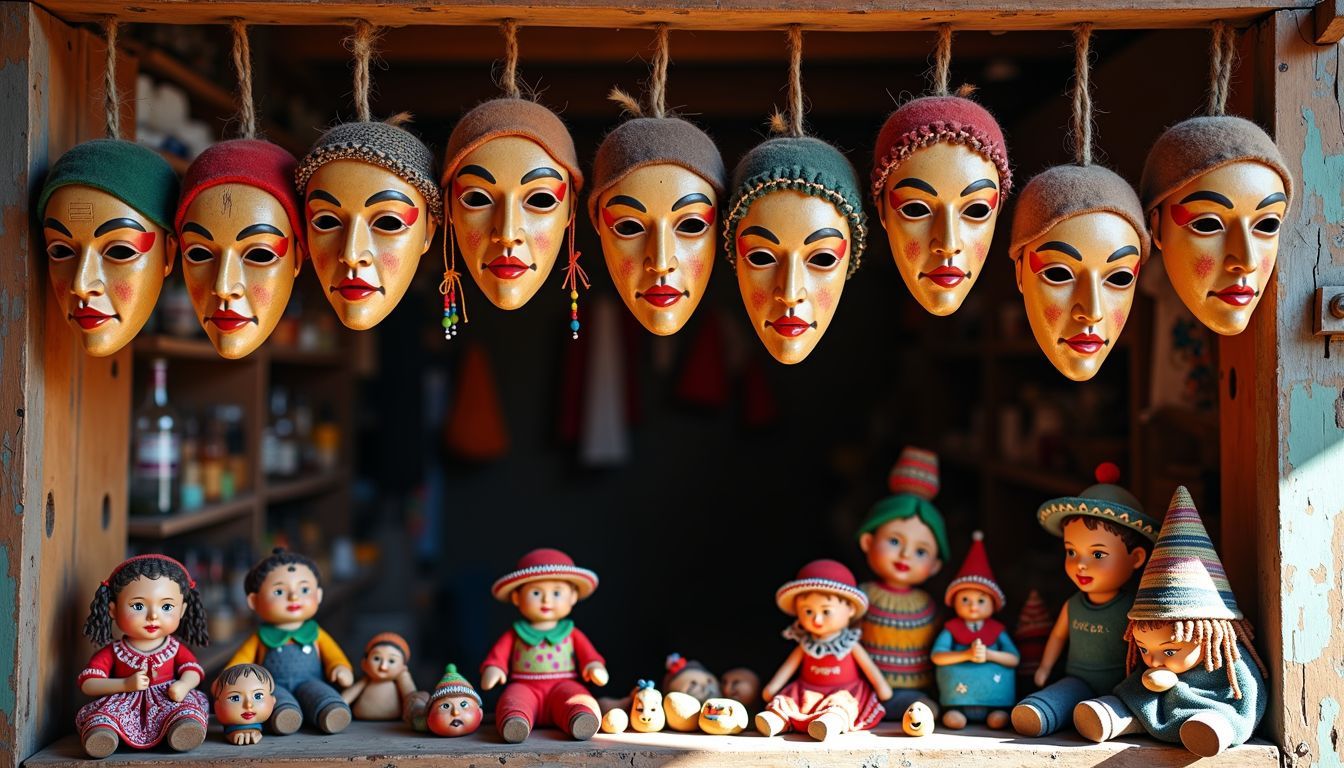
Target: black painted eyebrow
(199, 229)
(476, 170)
(325, 196)
(388, 194)
(692, 199)
(259, 229)
(1061, 247)
(1210, 196)
(544, 172)
(976, 186)
(112, 225)
(1121, 253)
(1277, 197)
(761, 232)
(627, 201)
(919, 184)
(58, 226)
(823, 234)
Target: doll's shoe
(1027, 721)
(515, 730)
(998, 720)
(770, 724)
(583, 725)
(286, 720)
(1206, 734)
(100, 742)
(954, 720)
(185, 735)
(826, 725)
(333, 718)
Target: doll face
(453, 716)
(545, 601)
(1078, 281)
(247, 701)
(695, 682)
(723, 717)
(1160, 651)
(939, 208)
(239, 258)
(973, 604)
(792, 257)
(657, 235)
(822, 613)
(1097, 560)
(1219, 237)
(367, 229)
(646, 711)
(148, 609)
(741, 684)
(383, 662)
(510, 203)
(290, 594)
(917, 720)
(902, 553)
(107, 264)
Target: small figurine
(974, 654)
(1185, 625)
(285, 591)
(646, 711)
(453, 709)
(723, 717)
(904, 540)
(244, 699)
(1033, 627)
(144, 682)
(741, 684)
(1106, 539)
(833, 692)
(687, 685)
(917, 720)
(386, 682)
(543, 655)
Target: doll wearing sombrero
(543, 656)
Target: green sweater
(1096, 653)
(1198, 690)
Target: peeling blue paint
(1326, 754)
(1322, 174)
(9, 636)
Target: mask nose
(89, 281)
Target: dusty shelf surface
(385, 745)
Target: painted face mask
(240, 233)
(1078, 244)
(795, 232)
(1216, 190)
(511, 180)
(106, 217)
(370, 209)
(939, 179)
(654, 204)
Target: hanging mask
(241, 239)
(654, 204)
(370, 210)
(511, 179)
(1216, 190)
(939, 179)
(106, 213)
(1078, 243)
(795, 232)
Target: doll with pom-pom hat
(453, 708)
(974, 654)
(904, 540)
(1107, 536)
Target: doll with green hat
(1107, 535)
(453, 708)
(1200, 683)
(904, 540)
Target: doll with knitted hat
(974, 654)
(453, 708)
(1107, 536)
(543, 657)
(1194, 677)
(839, 688)
(380, 693)
(904, 540)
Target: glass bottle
(157, 451)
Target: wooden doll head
(284, 588)
(646, 708)
(147, 597)
(244, 694)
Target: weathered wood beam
(1329, 20)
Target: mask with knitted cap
(106, 214)
(241, 235)
(940, 177)
(914, 482)
(1216, 190)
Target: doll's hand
(137, 682)
(768, 694)
(178, 691)
(596, 674)
(342, 676)
(244, 738)
(1042, 675)
(1159, 680)
(491, 677)
(978, 651)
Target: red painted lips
(662, 296)
(1236, 295)
(355, 289)
(228, 321)
(1085, 343)
(788, 326)
(946, 276)
(507, 267)
(90, 318)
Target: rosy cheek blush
(474, 239)
(627, 268)
(261, 295)
(543, 243)
(825, 299)
(911, 250)
(389, 261)
(758, 298)
(1204, 266)
(1118, 319)
(123, 291)
(1053, 313)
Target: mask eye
(692, 225)
(1207, 225)
(325, 222)
(260, 256)
(60, 252)
(120, 253)
(389, 224)
(542, 200)
(1268, 225)
(760, 258)
(977, 211)
(823, 260)
(198, 254)
(915, 210)
(1122, 279)
(628, 227)
(1056, 275)
(475, 199)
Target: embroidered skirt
(141, 718)
(801, 703)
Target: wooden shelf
(293, 490)
(166, 526)
(395, 744)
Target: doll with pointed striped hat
(453, 708)
(1200, 682)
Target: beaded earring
(451, 286)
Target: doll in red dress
(144, 681)
(839, 688)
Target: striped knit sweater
(898, 632)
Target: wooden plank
(295, 490)
(394, 744)
(167, 526)
(1329, 22)
(685, 14)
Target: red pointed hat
(975, 574)
(823, 576)
(252, 162)
(545, 565)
